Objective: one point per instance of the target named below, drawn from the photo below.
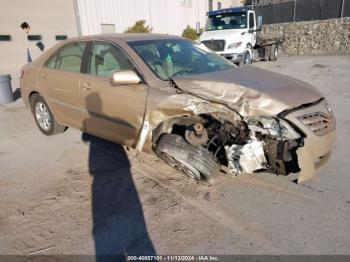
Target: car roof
(127, 37)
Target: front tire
(247, 59)
(195, 162)
(43, 116)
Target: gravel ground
(77, 194)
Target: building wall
(324, 37)
(46, 18)
(226, 3)
(164, 16)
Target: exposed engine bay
(229, 126)
(245, 146)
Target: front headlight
(272, 126)
(234, 45)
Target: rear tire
(43, 116)
(273, 53)
(194, 161)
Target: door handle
(86, 86)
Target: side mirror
(260, 22)
(125, 77)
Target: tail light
(21, 73)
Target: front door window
(107, 58)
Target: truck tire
(273, 53)
(246, 60)
(43, 116)
(194, 161)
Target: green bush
(190, 33)
(139, 27)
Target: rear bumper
(25, 95)
(317, 147)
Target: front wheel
(43, 116)
(195, 162)
(247, 59)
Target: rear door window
(51, 62)
(70, 57)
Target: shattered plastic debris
(247, 158)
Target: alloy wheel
(42, 116)
(182, 166)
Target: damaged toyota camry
(169, 96)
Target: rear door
(112, 112)
(59, 79)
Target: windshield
(237, 20)
(172, 57)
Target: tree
(190, 33)
(139, 27)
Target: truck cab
(232, 33)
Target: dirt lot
(74, 194)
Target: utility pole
(198, 26)
(150, 13)
(77, 17)
(342, 9)
(294, 9)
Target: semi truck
(235, 33)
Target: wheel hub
(182, 166)
(247, 58)
(42, 116)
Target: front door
(111, 112)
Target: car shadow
(119, 228)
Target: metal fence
(303, 10)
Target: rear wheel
(194, 161)
(273, 53)
(43, 116)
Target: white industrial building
(53, 20)
(164, 16)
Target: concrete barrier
(324, 37)
(6, 95)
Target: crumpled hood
(250, 90)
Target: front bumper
(318, 142)
(233, 57)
